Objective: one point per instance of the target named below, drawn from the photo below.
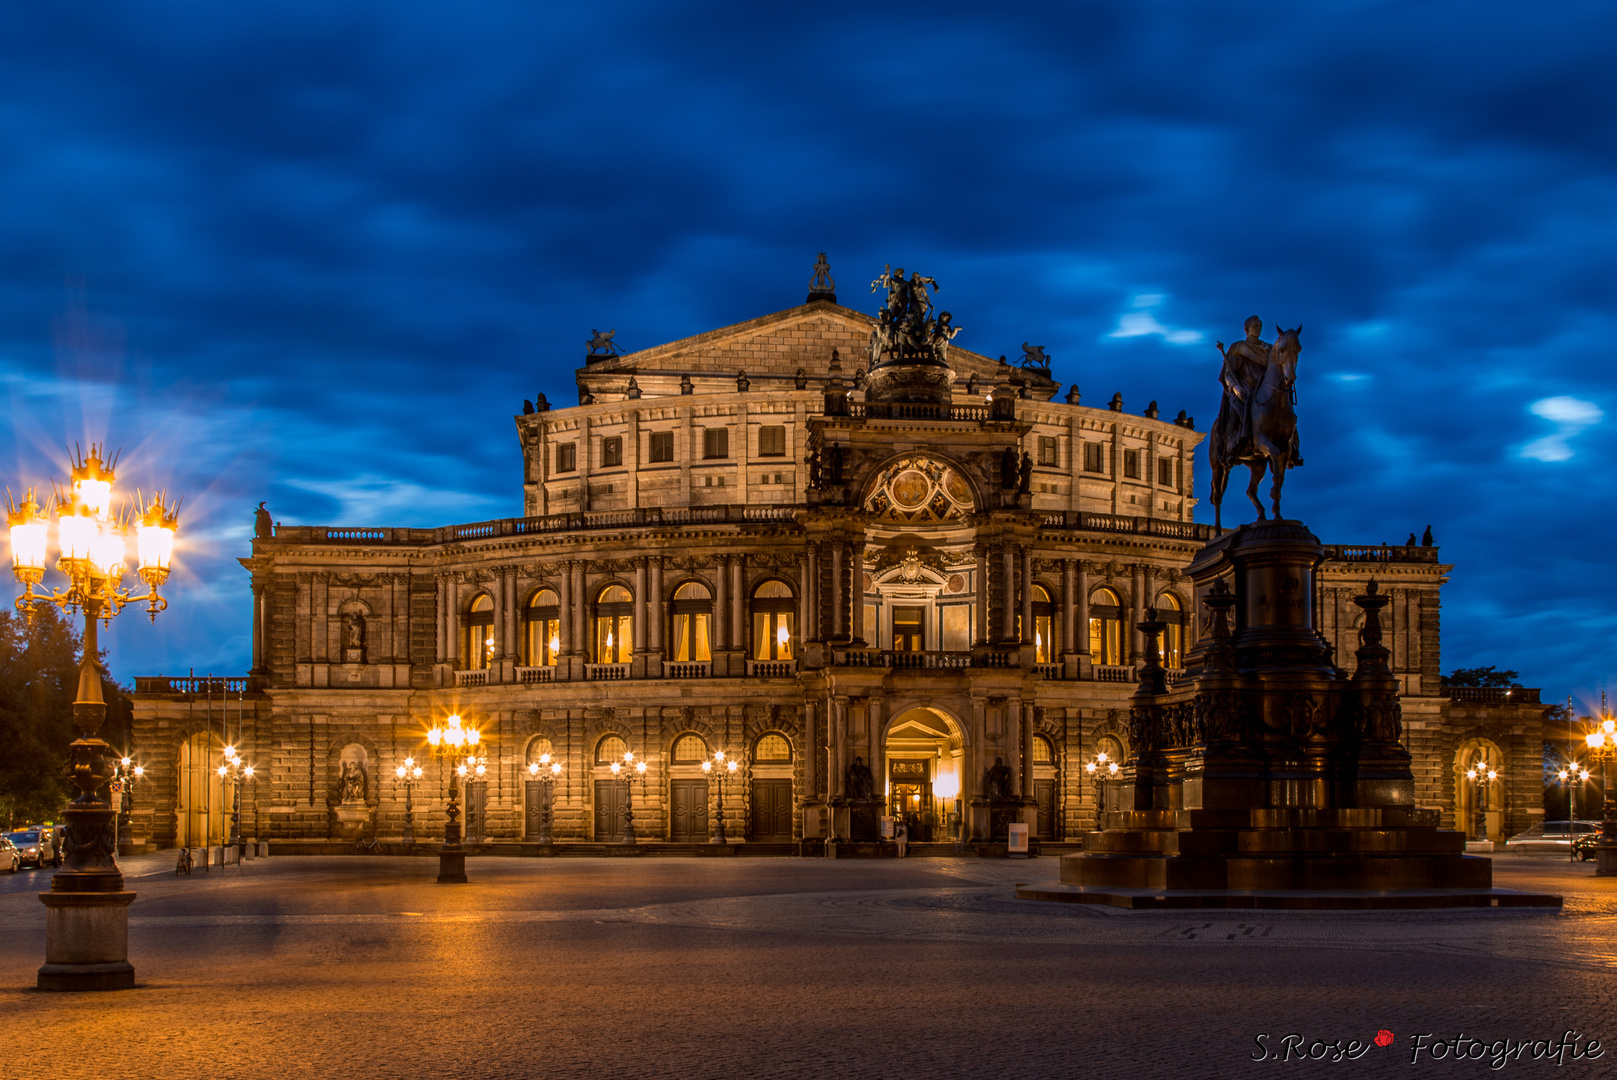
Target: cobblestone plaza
(362, 967)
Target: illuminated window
(610, 749)
(772, 441)
(614, 625)
(772, 748)
(909, 629)
(1045, 647)
(1043, 752)
(477, 635)
(689, 749)
(691, 613)
(1105, 628)
(1173, 638)
(542, 628)
(662, 446)
(774, 622)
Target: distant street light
(547, 772)
(87, 909)
(1101, 769)
(632, 770)
(1602, 742)
(1481, 775)
(723, 766)
(1573, 777)
(125, 775)
(408, 774)
(453, 741)
(235, 770)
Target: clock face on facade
(920, 489)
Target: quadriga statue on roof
(1257, 420)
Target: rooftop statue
(822, 286)
(1034, 356)
(601, 344)
(905, 329)
(1257, 420)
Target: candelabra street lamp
(235, 770)
(453, 741)
(723, 767)
(87, 909)
(1602, 742)
(125, 775)
(547, 772)
(408, 774)
(631, 770)
(1101, 769)
(1572, 778)
(1481, 775)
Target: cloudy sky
(318, 253)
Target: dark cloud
(318, 253)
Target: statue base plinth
(452, 867)
(86, 941)
(864, 820)
(350, 822)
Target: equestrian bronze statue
(1257, 420)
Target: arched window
(477, 635)
(689, 750)
(772, 749)
(1173, 638)
(1105, 628)
(614, 625)
(542, 628)
(692, 614)
(1043, 752)
(1045, 647)
(610, 749)
(538, 749)
(774, 622)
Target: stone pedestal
(864, 820)
(1266, 778)
(87, 941)
(350, 821)
(452, 867)
(1605, 859)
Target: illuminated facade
(732, 544)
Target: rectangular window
(612, 452)
(1165, 471)
(566, 457)
(715, 442)
(1094, 457)
(1048, 452)
(662, 446)
(772, 442)
(909, 629)
(1131, 464)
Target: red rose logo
(1383, 1037)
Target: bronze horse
(1271, 441)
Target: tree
(39, 678)
(1481, 676)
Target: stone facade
(726, 541)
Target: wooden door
(1044, 793)
(690, 811)
(772, 811)
(476, 798)
(610, 796)
(536, 794)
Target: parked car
(10, 857)
(1584, 846)
(35, 846)
(1551, 835)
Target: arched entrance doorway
(1479, 789)
(201, 816)
(925, 756)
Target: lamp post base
(1605, 859)
(452, 867)
(86, 941)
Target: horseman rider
(1244, 365)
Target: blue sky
(319, 253)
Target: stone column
(443, 618)
(1027, 594)
(738, 600)
(984, 635)
(654, 605)
(642, 638)
(1025, 749)
(856, 589)
(320, 617)
(721, 604)
(1008, 599)
(1080, 644)
(876, 719)
(452, 620)
(581, 610)
(805, 604)
(1069, 633)
(838, 563)
(810, 750)
(839, 744)
(260, 587)
(565, 612)
(508, 608)
(811, 594)
(1137, 608)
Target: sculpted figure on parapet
(905, 327)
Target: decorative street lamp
(1602, 743)
(87, 909)
(633, 770)
(408, 774)
(1099, 770)
(125, 775)
(235, 770)
(1481, 775)
(1573, 777)
(724, 766)
(453, 741)
(547, 772)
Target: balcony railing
(1380, 553)
(687, 669)
(1493, 695)
(1137, 526)
(639, 517)
(884, 410)
(1049, 671)
(772, 669)
(1114, 673)
(190, 684)
(476, 677)
(605, 672)
(527, 676)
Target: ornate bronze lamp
(1602, 743)
(631, 769)
(87, 919)
(453, 741)
(723, 767)
(547, 772)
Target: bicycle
(363, 846)
(183, 864)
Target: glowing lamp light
(29, 535)
(75, 534)
(616, 768)
(1089, 766)
(1609, 726)
(124, 762)
(460, 770)
(399, 771)
(481, 768)
(154, 538)
(555, 644)
(140, 772)
(107, 552)
(1594, 740)
(248, 772)
(782, 635)
(640, 767)
(435, 736)
(92, 484)
(222, 772)
(948, 786)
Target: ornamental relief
(920, 490)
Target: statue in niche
(1024, 475)
(997, 780)
(351, 782)
(354, 631)
(861, 785)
